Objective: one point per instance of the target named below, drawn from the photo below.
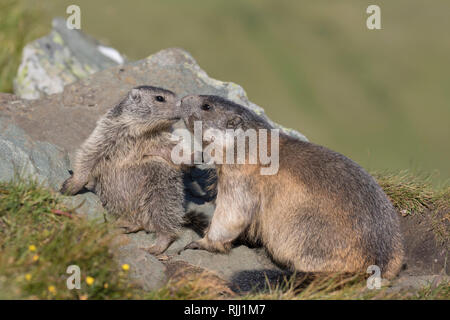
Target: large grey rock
(145, 270)
(405, 282)
(87, 204)
(23, 157)
(62, 57)
(65, 56)
(67, 118)
(243, 268)
(246, 269)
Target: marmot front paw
(69, 187)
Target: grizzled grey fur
(123, 161)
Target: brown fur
(321, 212)
(124, 161)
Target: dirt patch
(426, 242)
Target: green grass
(415, 194)
(336, 287)
(37, 245)
(20, 22)
(410, 193)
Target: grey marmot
(321, 212)
(121, 161)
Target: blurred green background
(381, 97)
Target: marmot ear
(234, 122)
(135, 95)
(117, 110)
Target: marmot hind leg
(128, 226)
(163, 241)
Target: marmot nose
(188, 99)
(187, 103)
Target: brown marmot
(321, 212)
(120, 161)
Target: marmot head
(146, 109)
(218, 113)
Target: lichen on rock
(60, 58)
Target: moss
(57, 38)
(78, 70)
(88, 69)
(21, 79)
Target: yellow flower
(51, 289)
(28, 277)
(105, 286)
(90, 281)
(32, 248)
(84, 297)
(125, 267)
(35, 257)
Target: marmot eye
(206, 107)
(160, 98)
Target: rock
(406, 282)
(60, 58)
(246, 269)
(145, 270)
(65, 56)
(87, 204)
(243, 269)
(67, 118)
(21, 156)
